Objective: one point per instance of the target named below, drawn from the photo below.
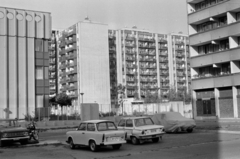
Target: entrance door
(207, 107)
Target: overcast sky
(160, 16)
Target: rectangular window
(39, 45)
(39, 72)
(39, 101)
(46, 72)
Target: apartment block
(53, 63)
(215, 59)
(146, 61)
(24, 61)
(83, 63)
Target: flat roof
(24, 9)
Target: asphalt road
(196, 145)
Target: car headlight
(147, 131)
(4, 135)
(158, 130)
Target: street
(173, 146)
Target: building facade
(83, 66)
(215, 58)
(24, 61)
(146, 61)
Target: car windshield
(143, 121)
(106, 126)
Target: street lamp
(82, 96)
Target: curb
(43, 143)
(219, 131)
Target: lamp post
(82, 96)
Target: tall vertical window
(45, 72)
(38, 45)
(39, 72)
(39, 101)
(46, 45)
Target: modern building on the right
(214, 34)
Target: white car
(96, 133)
(139, 129)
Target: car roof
(135, 117)
(95, 121)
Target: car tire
(155, 140)
(116, 147)
(24, 142)
(190, 130)
(93, 146)
(134, 140)
(71, 144)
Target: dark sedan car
(174, 122)
(11, 132)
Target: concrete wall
(94, 63)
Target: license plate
(114, 139)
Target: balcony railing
(72, 32)
(163, 54)
(62, 52)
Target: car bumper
(15, 139)
(151, 136)
(112, 143)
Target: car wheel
(155, 140)
(189, 130)
(71, 144)
(134, 140)
(93, 146)
(116, 147)
(24, 142)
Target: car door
(80, 134)
(129, 128)
(90, 133)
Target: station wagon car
(139, 129)
(11, 132)
(96, 133)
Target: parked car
(139, 129)
(174, 122)
(96, 133)
(11, 132)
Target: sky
(159, 16)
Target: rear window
(105, 126)
(143, 121)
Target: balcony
(163, 54)
(72, 72)
(130, 52)
(52, 69)
(52, 54)
(216, 57)
(71, 32)
(62, 52)
(73, 87)
(130, 38)
(146, 39)
(63, 73)
(216, 9)
(130, 45)
(164, 87)
(130, 59)
(71, 56)
(52, 83)
(180, 68)
(62, 66)
(74, 94)
(52, 76)
(161, 40)
(73, 47)
(62, 44)
(62, 59)
(211, 35)
(147, 59)
(132, 87)
(130, 72)
(163, 48)
(164, 73)
(63, 80)
(164, 67)
(163, 60)
(70, 41)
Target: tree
(63, 100)
(121, 94)
(152, 97)
(52, 101)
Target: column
(235, 104)
(216, 93)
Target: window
(46, 45)
(143, 121)
(104, 126)
(82, 127)
(39, 72)
(238, 16)
(46, 72)
(129, 123)
(38, 45)
(90, 127)
(39, 101)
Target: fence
(73, 112)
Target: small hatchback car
(96, 133)
(139, 129)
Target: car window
(129, 123)
(121, 123)
(105, 126)
(143, 121)
(90, 127)
(82, 127)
